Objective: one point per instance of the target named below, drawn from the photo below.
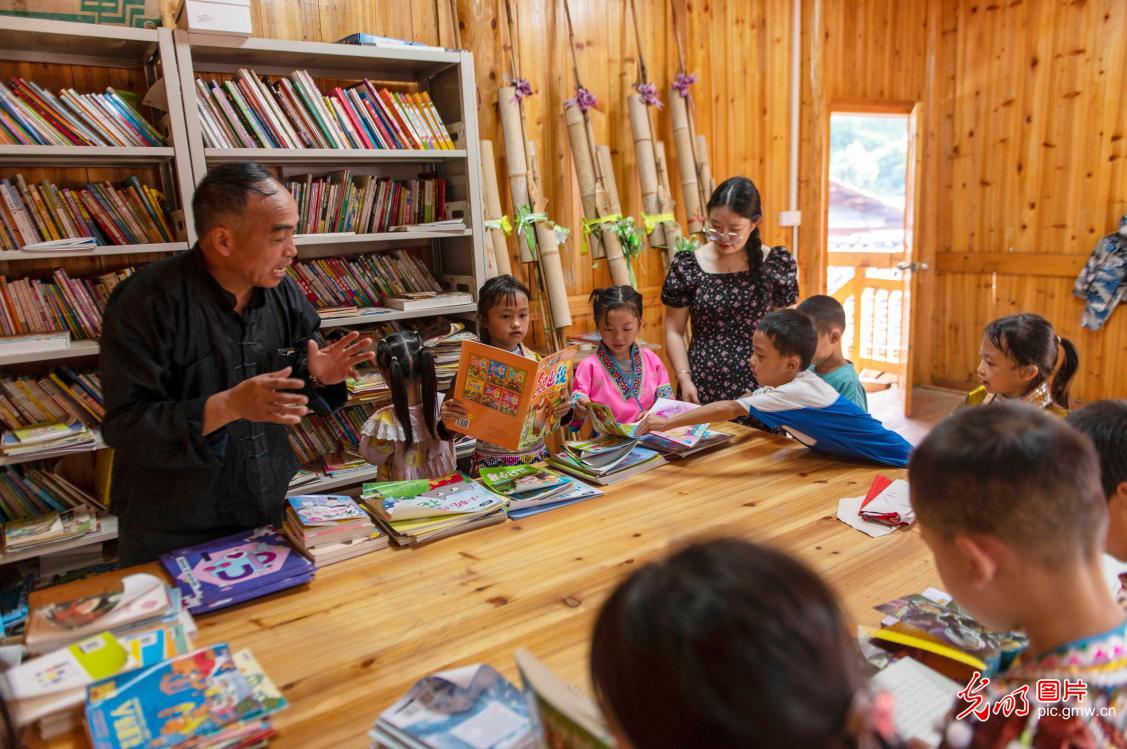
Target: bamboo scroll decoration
(692, 155)
(497, 225)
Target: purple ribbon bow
(521, 89)
(648, 93)
(584, 99)
(681, 83)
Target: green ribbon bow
(651, 220)
(686, 244)
(526, 222)
(590, 224)
(503, 223)
(630, 238)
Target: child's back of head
(1105, 423)
(725, 643)
(407, 364)
(825, 312)
(1004, 495)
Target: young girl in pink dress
(620, 374)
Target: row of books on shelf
(291, 112)
(393, 280)
(341, 202)
(40, 507)
(63, 397)
(444, 340)
(30, 115)
(44, 216)
(318, 436)
(62, 304)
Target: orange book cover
(510, 399)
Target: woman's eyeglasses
(722, 237)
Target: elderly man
(207, 356)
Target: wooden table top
(348, 645)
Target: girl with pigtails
(408, 439)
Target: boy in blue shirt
(796, 399)
(829, 362)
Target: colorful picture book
(510, 399)
(30, 115)
(463, 708)
(428, 509)
(605, 460)
(330, 528)
(62, 397)
(31, 214)
(198, 696)
(363, 281)
(674, 449)
(53, 438)
(292, 112)
(135, 598)
(365, 204)
(31, 305)
(560, 715)
(603, 421)
(933, 623)
(50, 527)
(523, 481)
(573, 491)
(236, 568)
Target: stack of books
(236, 568)
(605, 460)
(63, 396)
(330, 528)
(341, 203)
(33, 214)
(363, 281)
(128, 623)
(55, 438)
(30, 115)
(39, 507)
(317, 436)
(532, 490)
(291, 112)
(445, 339)
(62, 305)
(207, 699)
(675, 449)
(413, 512)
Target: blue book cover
(170, 703)
(236, 568)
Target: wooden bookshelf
(76, 350)
(85, 155)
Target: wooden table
(365, 630)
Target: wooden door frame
(914, 111)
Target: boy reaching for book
(620, 374)
(406, 439)
(829, 362)
(1105, 423)
(1009, 501)
(796, 399)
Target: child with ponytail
(1017, 359)
(408, 439)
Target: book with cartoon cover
(522, 480)
(456, 494)
(236, 568)
(510, 399)
(182, 699)
(313, 510)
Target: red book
(346, 106)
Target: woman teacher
(724, 287)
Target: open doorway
(870, 199)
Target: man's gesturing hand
(334, 363)
(264, 398)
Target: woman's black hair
(496, 290)
(725, 643)
(740, 196)
(404, 360)
(1026, 339)
(615, 297)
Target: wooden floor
(929, 405)
(348, 645)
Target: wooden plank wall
(1023, 126)
(738, 50)
(1038, 176)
